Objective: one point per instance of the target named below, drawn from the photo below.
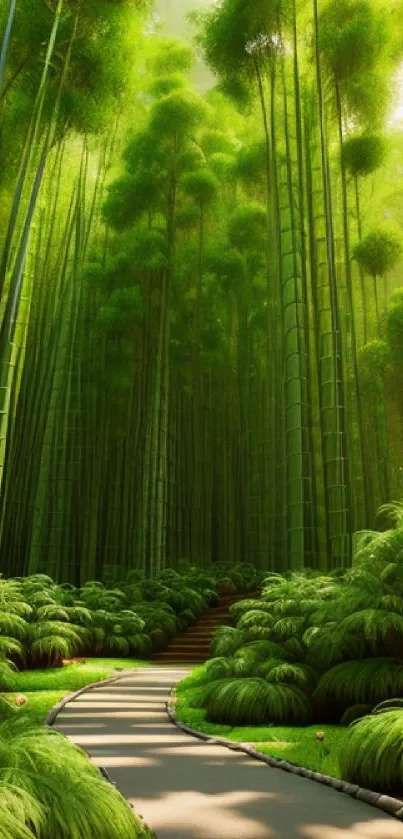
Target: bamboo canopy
(200, 316)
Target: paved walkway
(189, 790)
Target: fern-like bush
(226, 641)
(50, 789)
(248, 701)
(255, 657)
(373, 752)
(382, 630)
(358, 682)
(261, 650)
(237, 610)
(255, 617)
(301, 675)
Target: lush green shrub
(50, 789)
(373, 752)
(255, 702)
(42, 623)
(255, 617)
(262, 650)
(336, 638)
(237, 610)
(226, 641)
(358, 682)
(294, 649)
(301, 675)
(288, 627)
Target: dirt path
(186, 789)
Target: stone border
(53, 713)
(392, 806)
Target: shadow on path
(187, 789)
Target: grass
(298, 745)
(38, 704)
(43, 689)
(72, 676)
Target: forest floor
(187, 789)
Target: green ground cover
(43, 689)
(72, 676)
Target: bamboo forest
(201, 419)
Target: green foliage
(51, 785)
(122, 311)
(202, 186)
(262, 650)
(360, 682)
(164, 85)
(251, 662)
(301, 675)
(226, 30)
(378, 253)
(247, 227)
(338, 639)
(255, 702)
(241, 607)
(178, 113)
(222, 165)
(7, 710)
(287, 627)
(129, 197)
(364, 154)
(255, 618)
(214, 142)
(226, 641)
(251, 163)
(170, 56)
(47, 622)
(373, 360)
(373, 753)
(70, 677)
(354, 37)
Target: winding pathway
(186, 789)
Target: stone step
(184, 648)
(179, 659)
(193, 646)
(214, 619)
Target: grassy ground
(44, 688)
(297, 745)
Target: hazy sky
(174, 12)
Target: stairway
(193, 646)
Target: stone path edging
(392, 806)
